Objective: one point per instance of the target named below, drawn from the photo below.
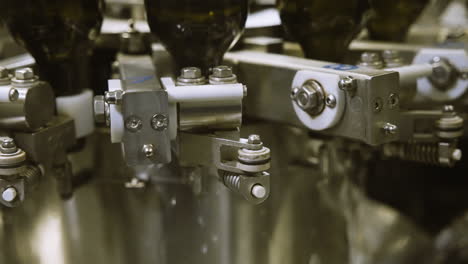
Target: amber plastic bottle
(323, 28)
(393, 19)
(197, 32)
(59, 34)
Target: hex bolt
(148, 150)
(191, 76)
(259, 191)
(330, 101)
(222, 71)
(371, 60)
(114, 97)
(159, 122)
(348, 84)
(133, 124)
(222, 75)
(390, 129)
(9, 194)
(24, 74)
(4, 73)
(254, 139)
(310, 98)
(392, 58)
(99, 109)
(8, 146)
(191, 73)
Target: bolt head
(4, 73)
(9, 194)
(348, 84)
(159, 122)
(254, 139)
(148, 150)
(114, 97)
(222, 72)
(8, 143)
(24, 74)
(191, 73)
(390, 54)
(99, 109)
(259, 191)
(370, 57)
(307, 98)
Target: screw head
(330, 101)
(24, 74)
(133, 124)
(9, 194)
(159, 122)
(348, 84)
(378, 105)
(13, 95)
(254, 139)
(191, 73)
(222, 72)
(393, 100)
(259, 191)
(148, 150)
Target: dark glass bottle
(59, 34)
(392, 19)
(323, 28)
(197, 32)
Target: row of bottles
(60, 33)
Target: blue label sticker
(138, 80)
(341, 67)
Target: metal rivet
(133, 124)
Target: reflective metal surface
(316, 214)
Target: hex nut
(24, 74)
